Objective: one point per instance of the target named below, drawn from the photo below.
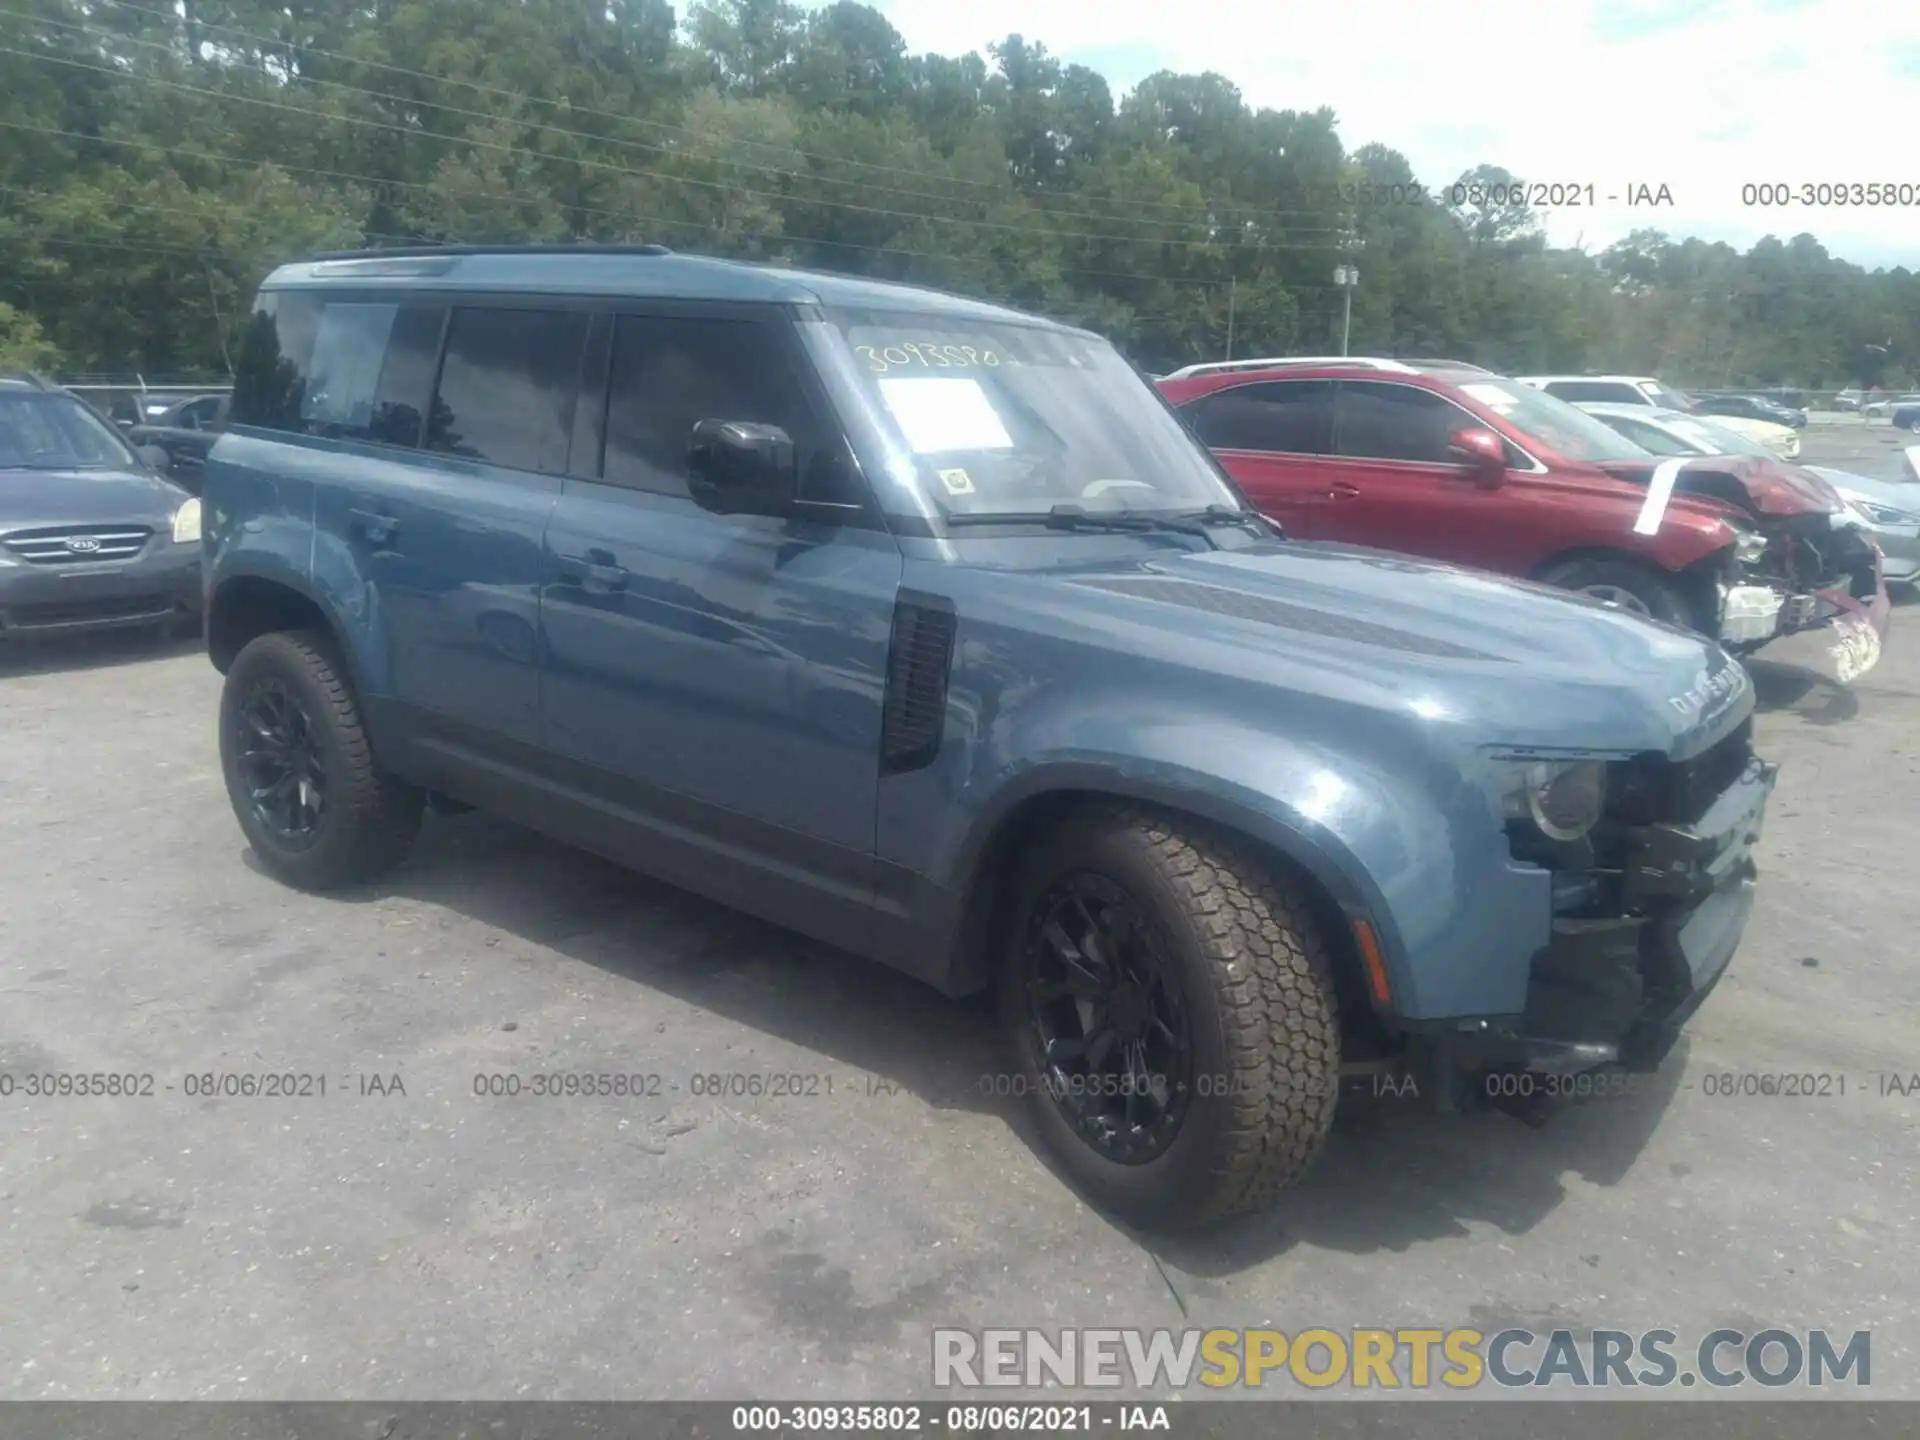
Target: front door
(720, 676)
(1395, 484)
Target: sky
(1701, 96)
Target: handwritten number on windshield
(915, 355)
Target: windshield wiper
(1252, 521)
(1079, 517)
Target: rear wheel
(1171, 1018)
(300, 770)
(1629, 585)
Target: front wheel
(1171, 1018)
(300, 770)
(1628, 585)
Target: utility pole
(1232, 282)
(1346, 277)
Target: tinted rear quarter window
(1575, 391)
(343, 369)
(1289, 416)
(507, 387)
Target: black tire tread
(1273, 986)
(1664, 598)
(379, 815)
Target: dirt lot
(403, 1237)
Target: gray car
(925, 628)
(90, 536)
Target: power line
(1185, 208)
(996, 225)
(216, 157)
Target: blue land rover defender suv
(923, 627)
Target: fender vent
(918, 664)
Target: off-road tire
(370, 818)
(1259, 995)
(1663, 598)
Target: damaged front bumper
(1616, 989)
(1836, 625)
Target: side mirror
(738, 467)
(1483, 453)
(158, 458)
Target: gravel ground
(404, 1238)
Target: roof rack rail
(1276, 362)
(422, 252)
(1428, 362)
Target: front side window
(1279, 416)
(507, 387)
(41, 431)
(672, 372)
(1006, 420)
(1378, 421)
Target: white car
(1891, 510)
(1652, 394)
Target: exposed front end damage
(1801, 565)
(1826, 576)
(1648, 909)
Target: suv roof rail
(1277, 362)
(421, 252)
(1427, 362)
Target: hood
(1899, 495)
(1768, 487)
(1503, 661)
(30, 499)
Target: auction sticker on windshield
(939, 414)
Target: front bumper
(1617, 990)
(160, 584)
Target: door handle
(380, 529)
(1340, 490)
(597, 572)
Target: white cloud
(1554, 90)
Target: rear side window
(507, 387)
(1291, 416)
(343, 369)
(1396, 422)
(670, 373)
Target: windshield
(1665, 398)
(1009, 419)
(1573, 433)
(1717, 439)
(41, 431)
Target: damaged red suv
(1445, 460)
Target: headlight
(186, 524)
(1562, 798)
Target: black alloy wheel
(1108, 1021)
(280, 762)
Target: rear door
(1394, 482)
(431, 534)
(1273, 437)
(718, 679)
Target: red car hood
(1773, 487)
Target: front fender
(1407, 842)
